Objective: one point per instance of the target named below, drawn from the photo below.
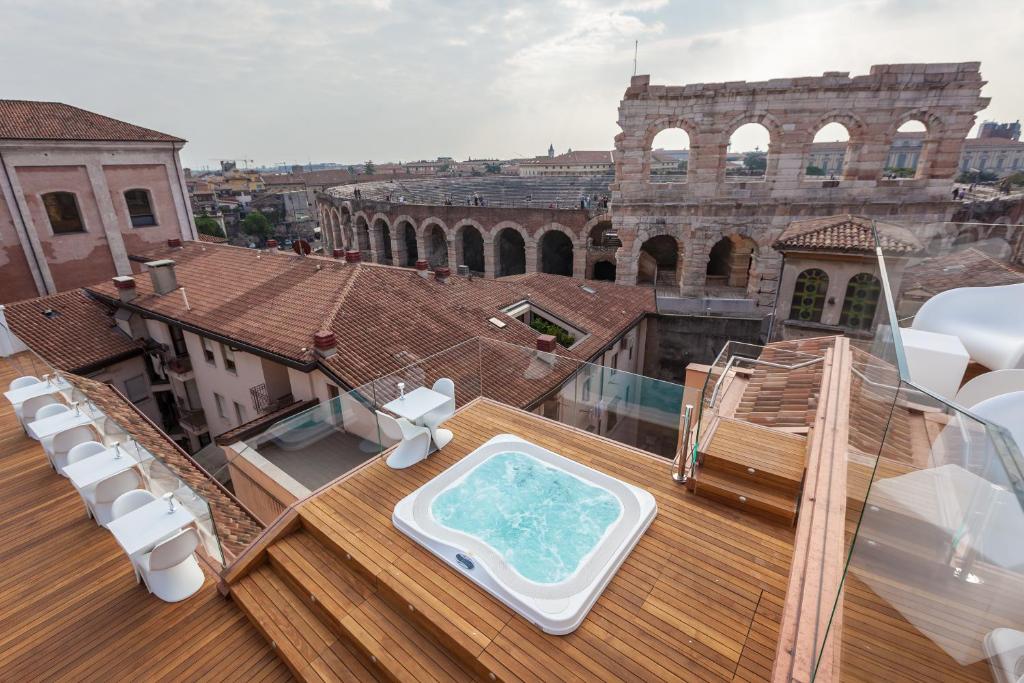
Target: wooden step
(746, 495)
(758, 454)
(355, 611)
(309, 648)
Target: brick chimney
(546, 343)
(162, 274)
(174, 242)
(353, 256)
(422, 267)
(125, 285)
(271, 244)
(338, 253)
(442, 273)
(325, 343)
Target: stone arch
(345, 226)
(588, 227)
(774, 129)
(658, 260)
(469, 245)
(856, 136)
(380, 233)
(407, 252)
(731, 261)
(509, 249)
(934, 131)
(434, 234)
(555, 253)
(604, 270)
(361, 233)
(660, 125)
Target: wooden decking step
(759, 454)
(747, 495)
(309, 648)
(359, 613)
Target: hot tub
(542, 533)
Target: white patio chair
(26, 411)
(84, 450)
(129, 501)
(171, 571)
(436, 417)
(414, 441)
(61, 443)
(100, 498)
(50, 411)
(24, 381)
(989, 385)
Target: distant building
(588, 162)
(992, 129)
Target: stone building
(78, 193)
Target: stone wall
(674, 341)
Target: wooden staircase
(751, 467)
(330, 618)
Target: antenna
(636, 48)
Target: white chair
(989, 385)
(24, 381)
(414, 441)
(26, 411)
(50, 411)
(1005, 410)
(129, 501)
(171, 571)
(84, 450)
(1005, 650)
(436, 417)
(62, 442)
(100, 498)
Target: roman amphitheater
(706, 232)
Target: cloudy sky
(293, 80)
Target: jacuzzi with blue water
(542, 533)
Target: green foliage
(683, 165)
(257, 225)
(369, 168)
(900, 172)
(979, 177)
(814, 170)
(208, 226)
(492, 168)
(1016, 179)
(545, 327)
(755, 161)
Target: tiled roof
(77, 335)
(28, 120)
(236, 526)
(580, 157)
(777, 397)
(383, 317)
(212, 239)
(964, 268)
(847, 234)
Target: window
(860, 301)
(208, 351)
(204, 440)
(135, 389)
(809, 296)
(613, 362)
(62, 210)
(219, 400)
(140, 208)
(229, 359)
(240, 412)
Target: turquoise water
(542, 520)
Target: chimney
(325, 343)
(442, 273)
(352, 256)
(162, 274)
(422, 267)
(546, 343)
(174, 242)
(271, 244)
(338, 253)
(463, 270)
(125, 285)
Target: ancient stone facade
(723, 226)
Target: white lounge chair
(24, 381)
(171, 571)
(84, 450)
(61, 443)
(414, 441)
(988, 385)
(1005, 410)
(100, 498)
(129, 501)
(435, 418)
(26, 412)
(50, 411)
(986, 319)
(1005, 650)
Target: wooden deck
(699, 598)
(70, 608)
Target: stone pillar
(532, 254)
(579, 261)
(108, 216)
(488, 258)
(452, 256)
(27, 233)
(397, 249)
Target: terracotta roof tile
(28, 120)
(848, 234)
(777, 397)
(212, 239)
(964, 268)
(78, 334)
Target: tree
(369, 168)
(257, 225)
(900, 172)
(814, 170)
(208, 226)
(492, 168)
(755, 161)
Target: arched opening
(809, 296)
(828, 153)
(471, 247)
(437, 246)
(604, 270)
(731, 261)
(670, 156)
(555, 253)
(747, 157)
(719, 262)
(362, 235)
(382, 237)
(411, 251)
(658, 262)
(509, 253)
(602, 235)
(860, 302)
(906, 151)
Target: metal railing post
(679, 465)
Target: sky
(296, 81)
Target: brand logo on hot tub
(464, 561)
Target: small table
(143, 528)
(936, 362)
(96, 468)
(43, 388)
(417, 403)
(48, 426)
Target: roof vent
(50, 313)
(338, 253)
(174, 242)
(325, 343)
(271, 244)
(546, 343)
(353, 256)
(125, 286)
(442, 273)
(422, 267)
(162, 275)
(463, 270)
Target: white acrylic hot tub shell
(555, 608)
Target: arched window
(747, 158)
(828, 152)
(62, 210)
(860, 302)
(140, 208)
(906, 152)
(809, 296)
(670, 156)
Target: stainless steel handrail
(681, 466)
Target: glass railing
(157, 476)
(933, 585)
